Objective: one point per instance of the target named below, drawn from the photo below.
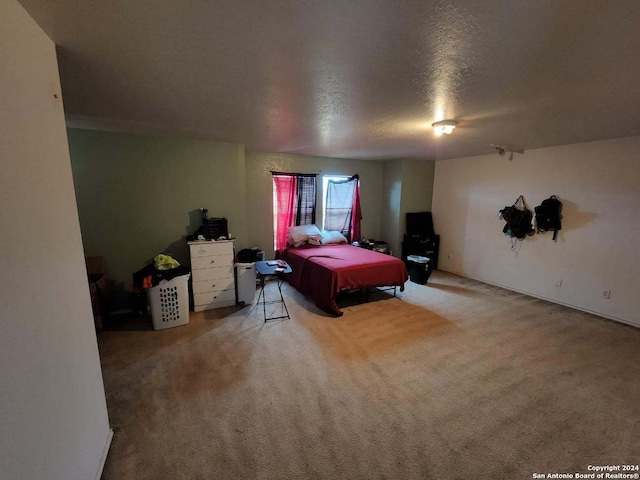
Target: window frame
(325, 186)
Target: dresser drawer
(198, 263)
(206, 301)
(207, 249)
(215, 285)
(212, 273)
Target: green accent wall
(140, 195)
(392, 196)
(407, 187)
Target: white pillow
(302, 234)
(332, 238)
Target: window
(294, 203)
(325, 191)
(342, 205)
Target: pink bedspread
(322, 271)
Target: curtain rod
(291, 174)
(347, 180)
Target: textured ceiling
(349, 78)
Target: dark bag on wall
(549, 216)
(519, 220)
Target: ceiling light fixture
(444, 126)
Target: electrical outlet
(605, 294)
(558, 283)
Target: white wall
(598, 247)
(53, 416)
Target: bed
(322, 271)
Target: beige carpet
(454, 380)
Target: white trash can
(246, 282)
(169, 302)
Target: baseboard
(575, 307)
(105, 452)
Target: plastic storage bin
(419, 270)
(169, 302)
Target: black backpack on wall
(549, 216)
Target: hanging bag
(518, 218)
(549, 216)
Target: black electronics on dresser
(214, 228)
(421, 239)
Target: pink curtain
(285, 197)
(356, 215)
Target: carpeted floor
(454, 380)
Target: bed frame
(322, 271)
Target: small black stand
(264, 270)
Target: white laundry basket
(169, 302)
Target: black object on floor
(419, 269)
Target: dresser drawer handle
(213, 261)
(213, 286)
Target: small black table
(264, 270)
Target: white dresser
(212, 274)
